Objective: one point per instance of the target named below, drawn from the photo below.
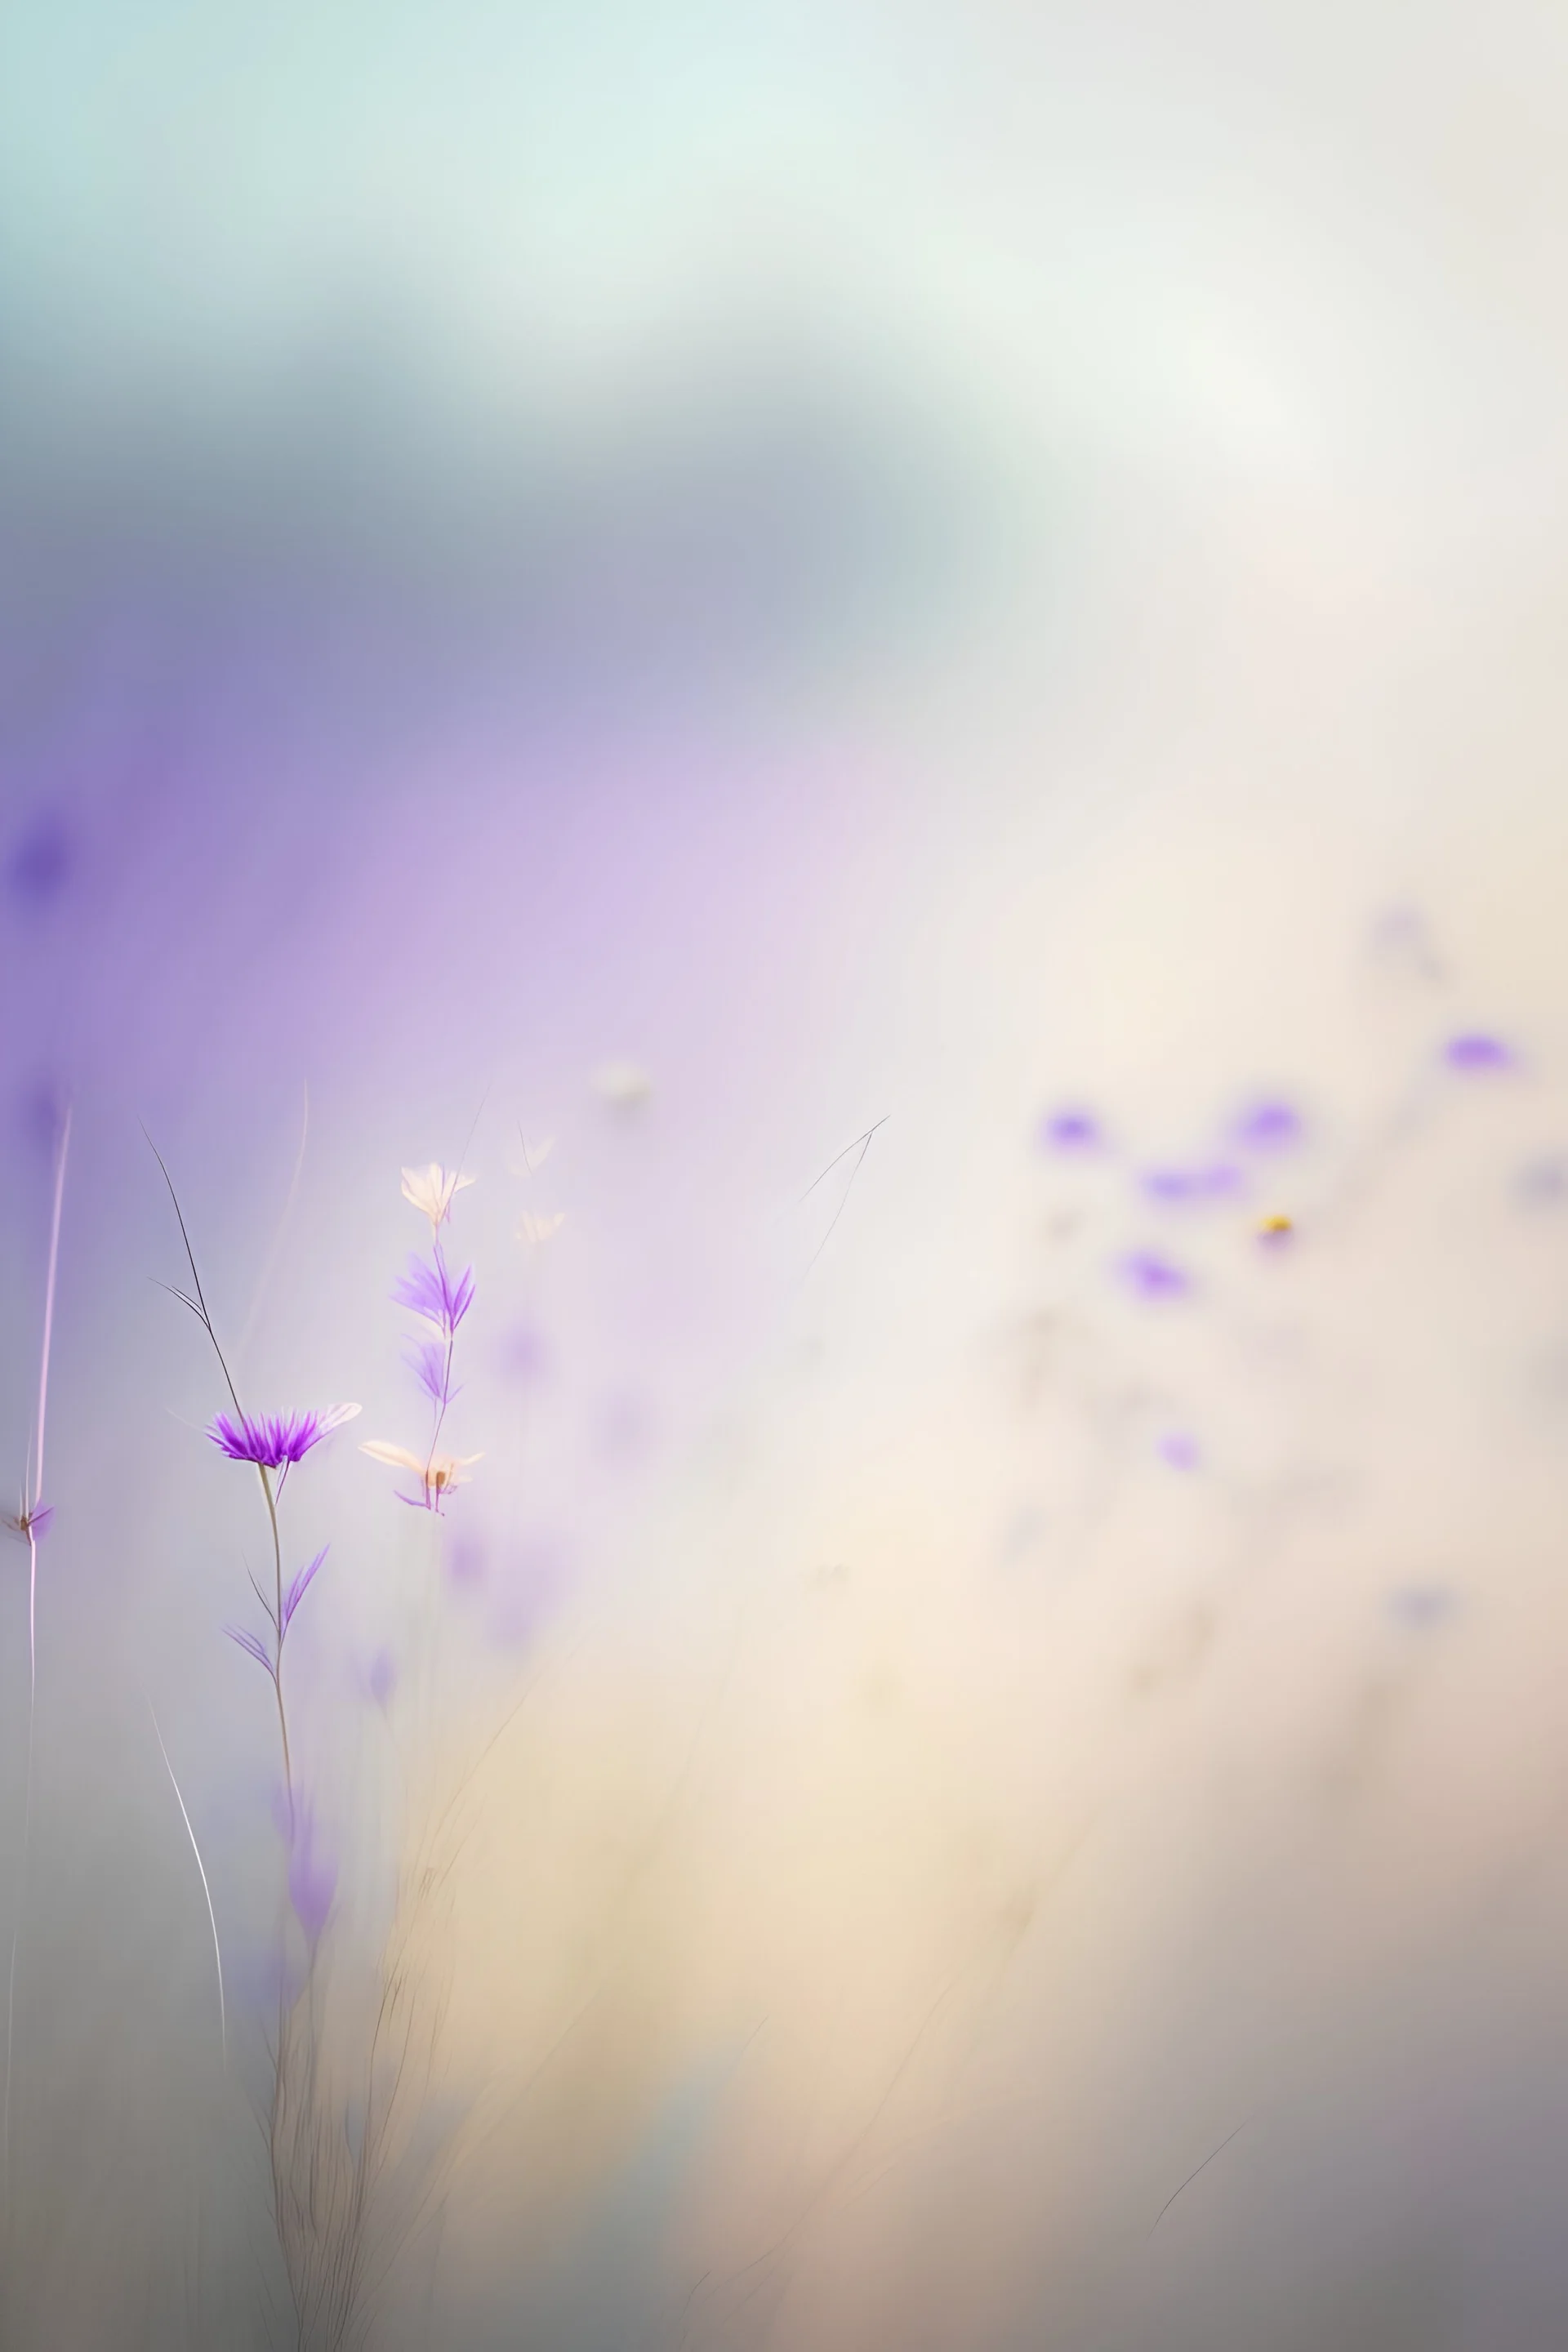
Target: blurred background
(899, 667)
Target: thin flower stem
(10, 2016)
(199, 1305)
(49, 1304)
(206, 1890)
(277, 1620)
(30, 1510)
(447, 1373)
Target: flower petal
(397, 1457)
(297, 1590)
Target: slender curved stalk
(206, 1890)
(278, 1655)
(31, 1507)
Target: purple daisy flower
(1072, 1130)
(1475, 1050)
(431, 1291)
(277, 1440)
(1152, 1277)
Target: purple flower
(1179, 1448)
(313, 1879)
(1268, 1125)
(1216, 1181)
(1152, 1277)
(430, 1291)
(274, 1441)
(1476, 1051)
(1072, 1130)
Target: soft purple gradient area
(313, 1877)
(1179, 1449)
(1071, 1130)
(803, 640)
(1219, 1179)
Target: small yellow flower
(431, 1190)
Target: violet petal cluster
(274, 1440)
(430, 1290)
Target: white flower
(431, 1190)
(437, 1473)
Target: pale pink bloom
(437, 1472)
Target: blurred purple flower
(383, 1676)
(1474, 1050)
(523, 1354)
(1219, 1181)
(1179, 1448)
(1269, 1125)
(465, 1561)
(313, 1879)
(1152, 1277)
(41, 1114)
(431, 1291)
(41, 862)
(275, 1440)
(1072, 1130)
